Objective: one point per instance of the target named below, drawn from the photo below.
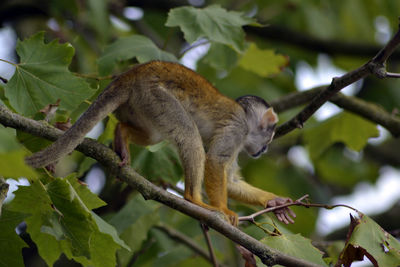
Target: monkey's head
(261, 122)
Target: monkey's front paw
(231, 216)
(283, 214)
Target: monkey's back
(190, 88)
(205, 104)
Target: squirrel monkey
(162, 100)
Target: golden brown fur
(161, 100)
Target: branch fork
(376, 66)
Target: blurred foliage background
(319, 39)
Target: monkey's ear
(269, 118)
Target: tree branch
(367, 110)
(311, 43)
(374, 66)
(213, 258)
(111, 161)
(297, 202)
(179, 237)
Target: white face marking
(261, 123)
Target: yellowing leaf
(263, 62)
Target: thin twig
(205, 229)
(187, 241)
(251, 217)
(194, 45)
(392, 75)
(297, 202)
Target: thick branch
(111, 161)
(374, 66)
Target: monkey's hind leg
(124, 134)
(121, 144)
(173, 122)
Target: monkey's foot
(124, 161)
(229, 215)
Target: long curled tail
(109, 100)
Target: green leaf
(41, 217)
(133, 222)
(90, 200)
(345, 127)
(212, 22)
(10, 243)
(12, 156)
(102, 250)
(338, 169)
(61, 222)
(221, 57)
(133, 211)
(369, 239)
(99, 17)
(158, 146)
(106, 228)
(42, 77)
(295, 245)
(34, 193)
(76, 219)
(166, 159)
(12, 165)
(31, 142)
(263, 62)
(8, 140)
(108, 134)
(133, 46)
(45, 237)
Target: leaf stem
(192, 46)
(93, 76)
(9, 62)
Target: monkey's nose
(261, 151)
(264, 149)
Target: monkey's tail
(109, 100)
